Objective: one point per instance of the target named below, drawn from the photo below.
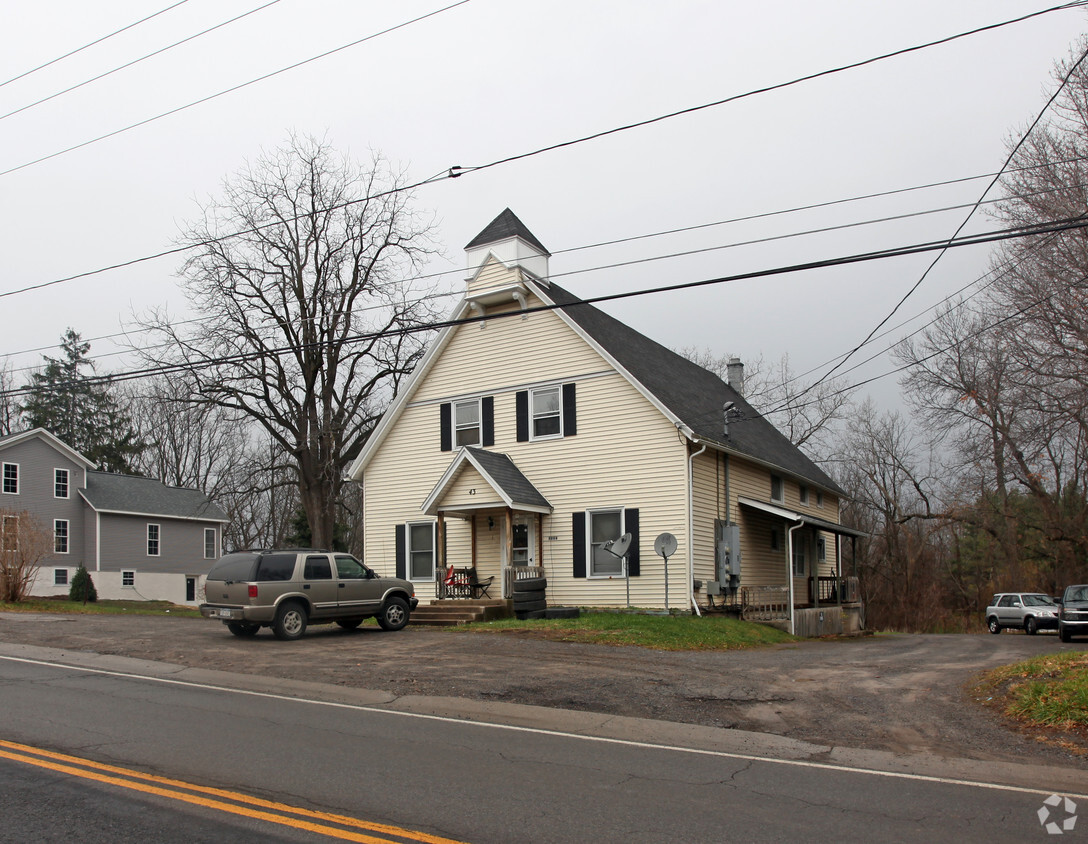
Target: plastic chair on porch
(476, 586)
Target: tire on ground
(530, 606)
(243, 628)
(290, 621)
(393, 614)
(531, 614)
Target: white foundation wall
(147, 587)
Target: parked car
(288, 589)
(1027, 611)
(1073, 620)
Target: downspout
(789, 570)
(691, 526)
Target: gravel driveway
(899, 693)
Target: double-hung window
(11, 479)
(802, 493)
(60, 483)
(777, 489)
(821, 549)
(60, 577)
(209, 543)
(547, 412)
(799, 557)
(60, 536)
(128, 578)
(602, 526)
(152, 540)
(466, 420)
(420, 550)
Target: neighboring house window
(11, 478)
(152, 541)
(821, 549)
(819, 498)
(546, 413)
(60, 483)
(776, 489)
(60, 536)
(421, 550)
(209, 543)
(802, 493)
(9, 533)
(467, 422)
(774, 539)
(128, 578)
(60, 577)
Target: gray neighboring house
(139, 538)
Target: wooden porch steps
(452, 612)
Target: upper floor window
(152, 540)
(819, 498)
(466, 422)
(777, 489)
(11, 478)
(802, 493)
(209, 543)
(546, 413)
(547, 405)
(60, 483)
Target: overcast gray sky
(490, 79)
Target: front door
(522, 544)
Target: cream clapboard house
(539, 427)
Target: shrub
(82, 588)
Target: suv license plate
(225, 613)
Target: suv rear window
(233, 567)
(276, 567)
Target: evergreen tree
(82, 588)
(66, 400)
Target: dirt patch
(897, 693)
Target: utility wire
(234, 88)
(972, 240)
(92, 43)
(1008, 159)
(137, 61)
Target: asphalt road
(483, 772)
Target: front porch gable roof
(514, 489)
(795, 516)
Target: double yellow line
(323, 823)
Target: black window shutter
(402, 550)
(489, 420)
(578, 535)
(445, 414)
(570, 411)
(630, 522)
(521, 408)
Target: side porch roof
(796, 516)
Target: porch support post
(838, 567)
(440, 538)
(509, 537)
(814, 570)
(540, 539)
(472, 530)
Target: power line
(137, 61)
(92, 43)
(1008, 159)
(914, 249)
(234, 88)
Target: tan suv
(286, 590)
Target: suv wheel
(242, 628)
(394, 615)
(1031, 626)
(1064, 635)
(993, 625)
(290, 621)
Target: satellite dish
(665, 545)
(618, 547)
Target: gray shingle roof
(110, 493)
(508, 478)
(504, 226)
(693, 394)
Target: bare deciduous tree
(297, 275)
(9, 406)
(24, 543)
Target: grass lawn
(164, 608)
(1049, 691)
(664, 633)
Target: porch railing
(513, 573)
(765, 603)
(833, 590)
